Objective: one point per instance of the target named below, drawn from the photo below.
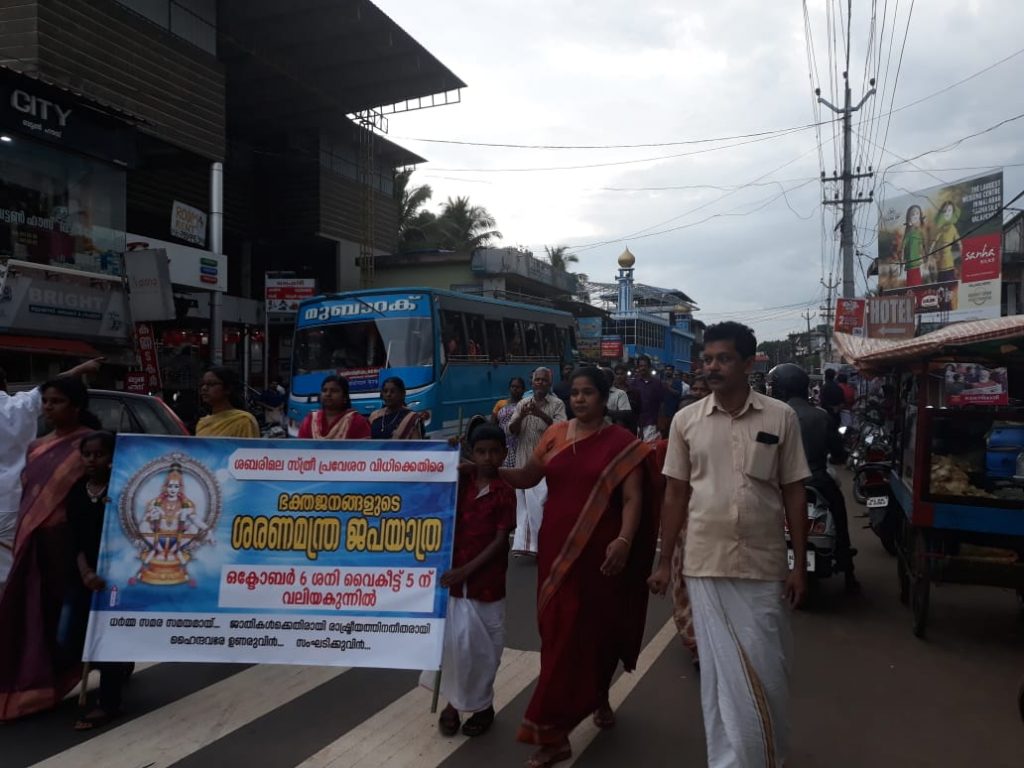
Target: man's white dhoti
(743, 638)
(474, 638)
(529, 515)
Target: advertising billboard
(943, 246)
(850, 316)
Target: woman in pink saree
(34, 674)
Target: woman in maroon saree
(34, 674)
(596, 544)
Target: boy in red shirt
(475, 627)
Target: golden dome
(626, 259)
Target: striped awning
(873, 352)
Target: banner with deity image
(943, 246)
(275, 551)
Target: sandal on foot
(479, 723)
(97, 718)
(546, 761)
(449, 721)
(604, 718)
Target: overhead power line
(681, 142)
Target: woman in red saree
(594, 548)
(336, 419)
(34, 674)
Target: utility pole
(829, 312)
(847, 176)
(807, 315)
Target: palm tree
(465, 227)
(560, 258)
(413, 222)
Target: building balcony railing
(509, 261)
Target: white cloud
(599, 72)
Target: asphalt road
(865, 693)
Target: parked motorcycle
(821, 538)
(884, 517)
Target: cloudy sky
(736, 223)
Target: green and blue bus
(455, 352)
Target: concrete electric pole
(847, 177)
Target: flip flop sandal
(95, 719)
(547, 762)
(479, 723)
(449, 721)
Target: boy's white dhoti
(743, 638)
(529, 515)
(474, 638)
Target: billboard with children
(943, 245)
(275, 551)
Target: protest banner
(275, 551)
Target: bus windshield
(360, 348)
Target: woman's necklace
(94, 491)
(389, 423)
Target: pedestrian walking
(650, 393)
(395, 421)
(19, 419)
(735, 465)
(475, 626)
(221, 391)
(532, 417)
(34, 673)
(596, 544)
(502, 413)
(86, 502)
(336, 419)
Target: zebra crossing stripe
(168, 734)
(405, 732)
(586, 731)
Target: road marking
(172, 732)
(405, 732)
(586, 731)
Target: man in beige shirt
(735, 467)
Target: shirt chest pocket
(762, 460)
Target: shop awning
(867, 353)
(46, 346)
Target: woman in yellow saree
(221, 390)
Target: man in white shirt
(533, 415)
(19, 414)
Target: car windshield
(385, 343)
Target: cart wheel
(920, 581)
(919, 595)
(904, 579)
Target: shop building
(128, 105)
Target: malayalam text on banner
(274, 551)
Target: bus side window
(514, 338)
(475, 336)
(495, 340)
(533, 348)
(453, 334)
(564, 350)
(548, 343)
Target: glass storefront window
(61, 209)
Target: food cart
(957, 467)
